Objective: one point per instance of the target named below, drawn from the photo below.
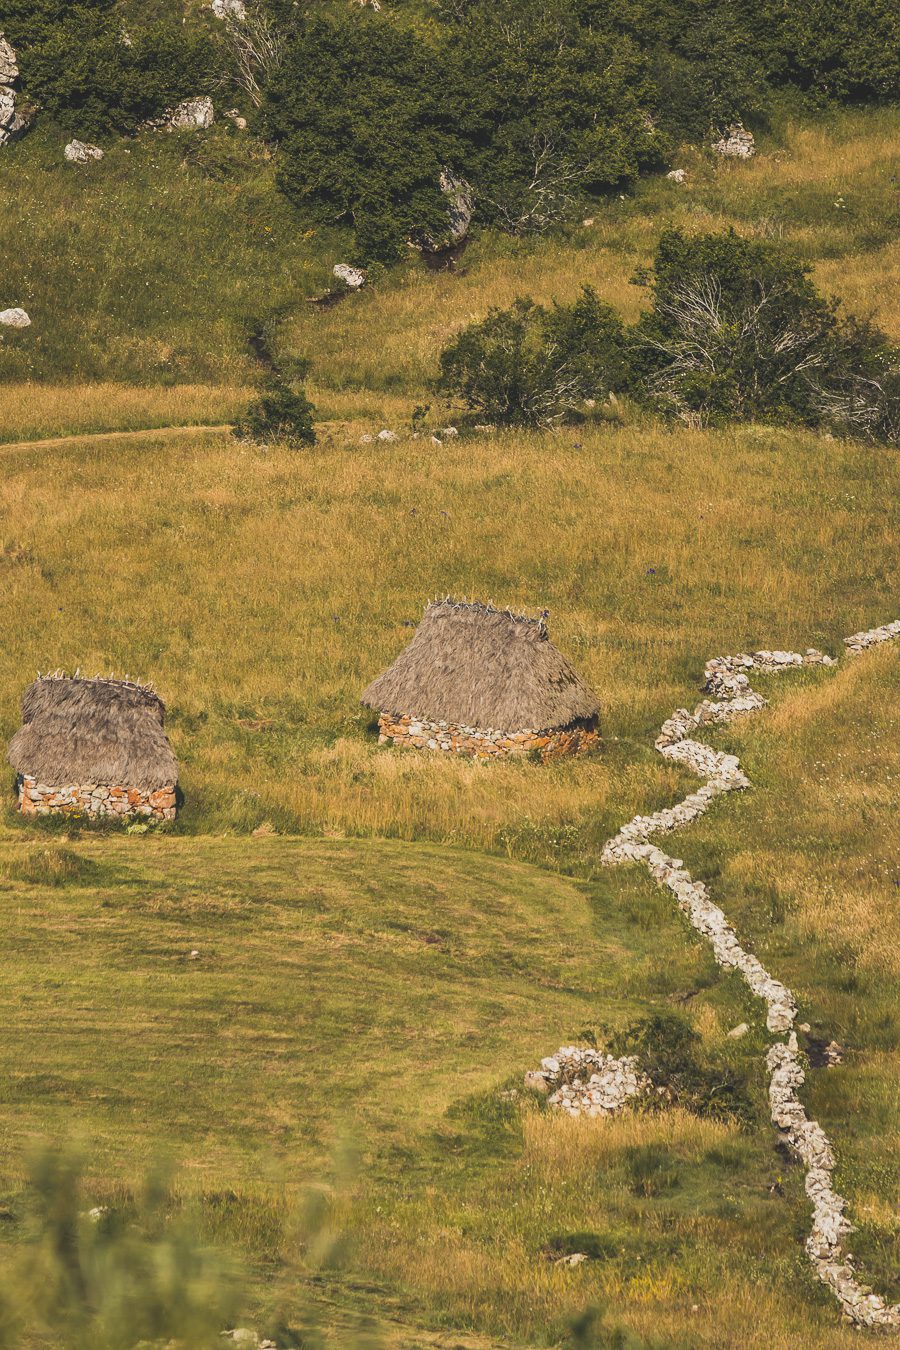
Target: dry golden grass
(262, 590)
(32, 411)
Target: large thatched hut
(482, 681)
(93, 746)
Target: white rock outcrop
(352, 277)
(12, 123)
(193, 114)
(14, 318)
(676, 175)
(726, 679)
(229, 9)
(80, 152)
(736, 142)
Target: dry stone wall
(94, 799)
(418, 734)
(726, 679)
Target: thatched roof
(476, 666)
(93, 731)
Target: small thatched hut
(93, 746)
(482, 681)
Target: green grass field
(409, 936)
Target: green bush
(96, 74)
(532, 110)
(281, 413)
(111, 1278)
(669, 1051)
(737, 330)
(357, 109)
(531, 366)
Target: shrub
(281, 413)
(116, 1278)
(737, 330)
(95, 75)
(669, 1053)
(530, 366)
(358, 111)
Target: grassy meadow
(402, 937)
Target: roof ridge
(488, 607)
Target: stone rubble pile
(585, 1082)
(726, 678)
(858, 642)
(735, 143)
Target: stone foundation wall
(94, 799)
(416, 734)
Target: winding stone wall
(94, 799)
(417, 734)
(726, 680)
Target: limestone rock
(586, 1082)
(676, 175)
(736, 142)
(352, 277)
(194, 114)
(460, 204)
(80, 152)
(737, 1032)
(14, 318)
(9, 66)
(229, 9)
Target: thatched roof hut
(473, 666)
(99, 731)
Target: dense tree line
(536, 104)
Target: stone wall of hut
(94, 799)
(416, 734)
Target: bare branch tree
(258, 47)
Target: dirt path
(144, 434)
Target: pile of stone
(726, 678)
(736, 142)
(586, 1082)
(858, 642)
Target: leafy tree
(530, 366)
(357, 109)
(738, 330)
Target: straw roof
(475, 666)
(93, 731)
